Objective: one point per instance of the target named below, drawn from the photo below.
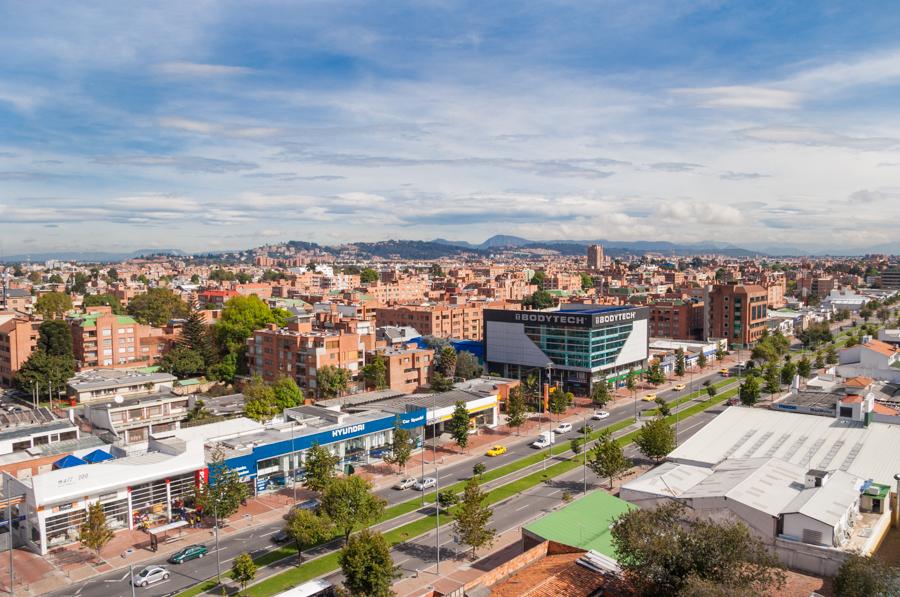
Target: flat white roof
(808, 441)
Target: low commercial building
(130, 489)
(105, 384)
(576, 345)
(21, 432)
(131, 421)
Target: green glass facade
(579, 347)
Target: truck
(544, 440)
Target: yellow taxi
(724, 372)
(496, 450)
(649, 397)
(679, 386)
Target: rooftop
(584, 523)
(101, 379)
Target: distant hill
(89, 256)
(579, 247)
(412, 249)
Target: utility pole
(437, 485)
(9, 530)
(422, 457)
(293, 466)
(131, 578)
(584, 452)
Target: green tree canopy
(197, 336)
(368, 276)
(804, 368)
(587, 282)
(472, 517)
(773, 378)
(679, 362)
(750, 390)
(95, 532)
(221, 494)
(655, 439)
(662, 549)
(182, 362)
(600, 392)
(374, 373)
(243, 569)
(104, 300)
(446, 362)
(458, 425)
(467, 365)
(440, 383)
(332, 381)
(55, 338)
(157, 307)
(866, 576)
(540, 299)
(53, 305)
(241, 316)
(367, 566)
(515, 408)
(401, 446)
(41, 371)
(308, 528)
(350, 503)
(607, 459)
(319, 464)
(286, 393)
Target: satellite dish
(119, 399)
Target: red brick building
(18, 337)
(443, 320)
(102, 339)
(677, 319)
(737, 313)
(407, 369)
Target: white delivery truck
(544, 440)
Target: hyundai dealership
(575, 345)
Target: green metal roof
(89, 320)
(189, 382)
(584, 523)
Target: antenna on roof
(119, 399)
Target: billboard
(586, 319)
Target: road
(258, 540)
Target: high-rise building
(595, 257)
(890, 278)
(737, 312)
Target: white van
(544, 440)
(563, 428)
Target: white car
(563, 428)
(541, 443)
(150, 575)
(426, 483)
(405, 483)
(600, 415)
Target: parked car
(149, 575)
(563, 428)
(734, 401)
(425, 483)
(405, 483)
(281, 536)
(312, 504)
(188, 553)
(679, 386)
(496, 450)
(599, 415)
(650, 397)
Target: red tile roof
(880, 347)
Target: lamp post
(9, 530)
(584, 452)
(131, 578)
(437, 485)
(896, 505)
(293, 466)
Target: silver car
(149, 575)
(405, 483)
(426, 483)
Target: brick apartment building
(102, 339)
(214, 299)
(404, 290)
(443, 320)
(18, 337)
(737, 313)
(677, 319)
(17, 299)
(298, 351)
(407, 368)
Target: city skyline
(210, 126)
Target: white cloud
(743, 96)
(196, 69)
(699, 212)
(817, 137)
(871, 196)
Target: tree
(575, 445)
(113, 274)
(157, 307)
(243, 569)
(286, 393)
(368, 276)
(540, 299)
(701, 360)
(720, 354)
(41, 370)
(679, 362)
(104, 300)
(831, 356)
(367, 566)
(655, 439)
(631, 381)
(884, 314)
(94, 532)
(661, 549)
(439, 383)
(182, 362)
(479, 469)
(241, 316)
(470, 521)
(559, 402)
(195, 334)
(816, 334)
(401, 447)
(655, 374)
(538, 278)
(446, 364)
(332, 381)
(662, 406)
(447, 498)
(515, 408)
(864, 576)
(820, 361)
(53, 305)
(435, 271)
(374, 373)
(308, 528)
(320, 464)
(467, 365)
(772, 376)
(259, 400)
(221, 275)
(788, 371)
(804, 368)
(607, 459)
(78, 283)
(600, 393)
(221, 494)
(350, 503)
(711, 391)
(458, 425)
(749, 391)
(587, 282)
(55, 338)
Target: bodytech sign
(580, 319)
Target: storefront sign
(578, 319)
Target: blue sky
(207, 125)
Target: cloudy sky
(207, 125)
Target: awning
(168, 527)
(68, 462)
(98, 455)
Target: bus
(313, 588)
